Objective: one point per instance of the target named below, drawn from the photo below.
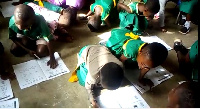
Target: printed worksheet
(150, 39)
(157, 75)
(13, 103)
(124, 97)
(5, 90)
(35, 71)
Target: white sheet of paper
(156, 75)
(124, 97)
(35, 71)
(52, 73)
(7, 8)
(5, 90)
(13, 103)
(150, 39)
(28, 73)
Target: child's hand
(53, 63)
(94, 104)
(145, 81)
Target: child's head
(151, 7)
(186, 95)
(94, 23)
(68, 16)
(151, 55)
(24, 16)
(111, 76)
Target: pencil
(36, 56)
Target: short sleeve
(12, 33)
(45, 31)
(133, 7)
(131, 49)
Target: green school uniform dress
(139, 22)
(38, 30)
(193, 53)
(108, 8)
(123, 41)
(48, 5)
(187, 6)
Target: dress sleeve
(132, 7)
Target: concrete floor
(59, 93)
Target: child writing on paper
(58, 23)
(103, 10)
(134, 16)
(185, 95)
(30, 34)
(188, 59)
(97, 67)
(128, 47)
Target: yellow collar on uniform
(141, 47)
(40, 2)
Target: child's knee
(42, 51)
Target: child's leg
(18, 51)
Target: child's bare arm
(143, 80)
(122, 58)
(22, 46)
(121, 6)
(107, 22)
(89, 13)
(52, 62)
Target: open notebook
(35, 71)
(5, 90)
(123, 97)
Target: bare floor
(59, 93)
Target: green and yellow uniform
(108, 7)
(193, 53)
(47, 5)
(187, 6)
(123, 41)
(39, 29)
(138, 21)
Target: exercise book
(13, 103)
(157, 75)
(5, 90)
(123, 97)
(35, 71)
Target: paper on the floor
(150, 39)
(5, 90)
(156, 75)
(7, 8)
(124, 97)
(35, 71)
(13, 103)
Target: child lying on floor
(58, 23)
(103, 10)
(134, 16)
(185, 95)
(97, 67)
(129, 48)
(30, 34)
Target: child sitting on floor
(185, 95)
(134, 16)
(58, 23)
(30, 34)
(128, 47)
(97, 67)
(188, 59)
(103, 11)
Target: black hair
(94, 23)
(156, 52)
(111, 76)
(188, 95)
(24, 12)
(153, 6)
